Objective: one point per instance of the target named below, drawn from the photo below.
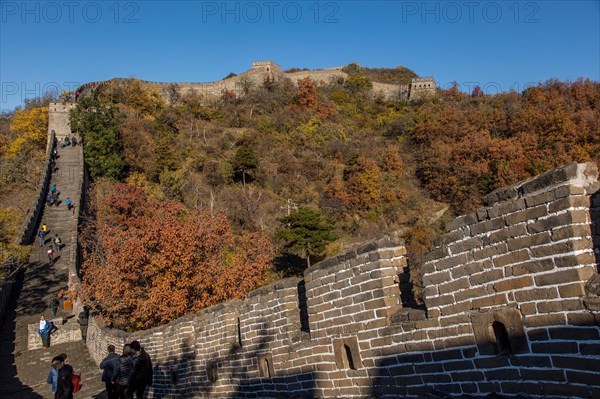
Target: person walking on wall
(42, 237)
(54, 306)
(123, 373)
(83, 320)
(57, 242)
(109, 367)
(64, 386)
(50, 253)
(141, 377)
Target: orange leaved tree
(147, 261)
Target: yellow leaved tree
(31, 127)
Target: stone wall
(263, 70)
(506, 312)
(58, 119)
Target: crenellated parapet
(263, 71)
(511, 307)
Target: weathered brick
(469, 294)
(451, 237)
(572, 290)
(588, 349)
(536, 294)
(451, 261)
(561, 248)
(564, 276)
(492, 300)
(565, 390)
(505, 208)
(455, 308)
(471, 376)
(574, 333)
(533, 266)
(489, 251)
(451, 354)
(554, 221)
(572, 231)
(544, 320)
(466, 245)
(436, 278)
(467, 270)
(495, 362)
(513, 283)
(461, 221)
(554, 348)
(532, 374)
(487, 226)
(577, 377)
(454, 286)
(562, 204)
(529, 241)
(505, 234)
(439, 300)
(526, 215)
(528, 308)
(538, 199)
(581, 319)
(560, 306)
(506, 374)
(511, 258)
(486, 277)
(458, 365)
(586, 258)
(531, 361)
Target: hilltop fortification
(263, 71)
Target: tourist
(42, 237)
(50, 253)
(54, 306)
(141, 377)
(53, 375)
(44, 331)
(109, 367)
(64, 386)
(57, 242)
(123, 372)
(83, 320)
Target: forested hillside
(287, 174)
(23, 138)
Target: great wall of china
(512, 307)
(268, 70)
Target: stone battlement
(507, 312)
(263, 70)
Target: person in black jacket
(64, 387)
(122, 375)
(109, 367)
(141, 377)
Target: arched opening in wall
(265, 365)
(303, 307)
(502, 344)
(348, 362)
(347, 353)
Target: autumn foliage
(148, 262)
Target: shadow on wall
(179, 377)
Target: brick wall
(507, 312)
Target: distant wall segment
(262, 71)
(511, 309)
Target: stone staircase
(24, 364)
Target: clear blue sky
(500, 45)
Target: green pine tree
(306, 233)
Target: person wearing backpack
(64, 383)
(109, 367)
(123, 373)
